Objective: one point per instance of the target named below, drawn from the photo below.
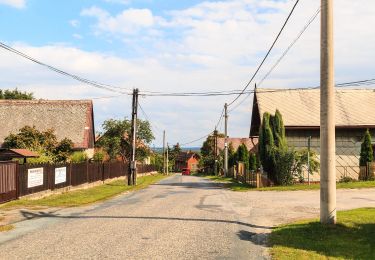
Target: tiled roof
(7, 154)
(25, 152)
(353, 107)
(184, 156)
(236, 142)
(71, 119)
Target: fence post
(70, 174)
(102, 164)
(17, 180)
(87, 171)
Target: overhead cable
(266, 56)
(64, 73)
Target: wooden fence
(255, 179)
(18, 180)
(8, 181)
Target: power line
(199, 139)
(148, 119)
(311, 20)
(192, 94)
(221, 117)
(64, 73)
(265, 57)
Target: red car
(185, 171)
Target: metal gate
(8, 181)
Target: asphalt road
(182, 217)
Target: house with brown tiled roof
(300, 109)
(73, 119)
(251, 143)
(187, 160)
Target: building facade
(355, 113)
(187, 160)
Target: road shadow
(255, 238)
(194, 185)
(41, 214)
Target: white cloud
(210, 46)
(14, 3)
(129, 21)
(77, 36)
(74, 23)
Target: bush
(347, 179)
(78, 157)
(98, 156)
(43, 158)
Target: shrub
(43, 158)
(347, 179)
(78, 157)
(98, 156)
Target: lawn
(237, 186)
(352, 238)
(6, 228)
(86, 196)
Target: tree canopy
(367, 153)
(116, 138)
(15, 94)
(208, 152)
(43, 142)
(282, 165)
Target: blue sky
(176, 46)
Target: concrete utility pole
(164, 152)
(132, 175)
(327, 118)
(226, 141)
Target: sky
(176, 46)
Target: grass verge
(351, 238)
(237, 186)
(6, 228)
(86, 196)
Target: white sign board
(60, 175)
(34, 177)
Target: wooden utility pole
(132, 175)
(215, 152)
(226, 141)
(164, 152)
(327, 118)
(167, 158)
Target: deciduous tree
(116, 139)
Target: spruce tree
(253, 165)
(243, 155)
(366, 155)
(272, 143)
(266, 145)
(231, 156)
(278, 130)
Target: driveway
(182, 217)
